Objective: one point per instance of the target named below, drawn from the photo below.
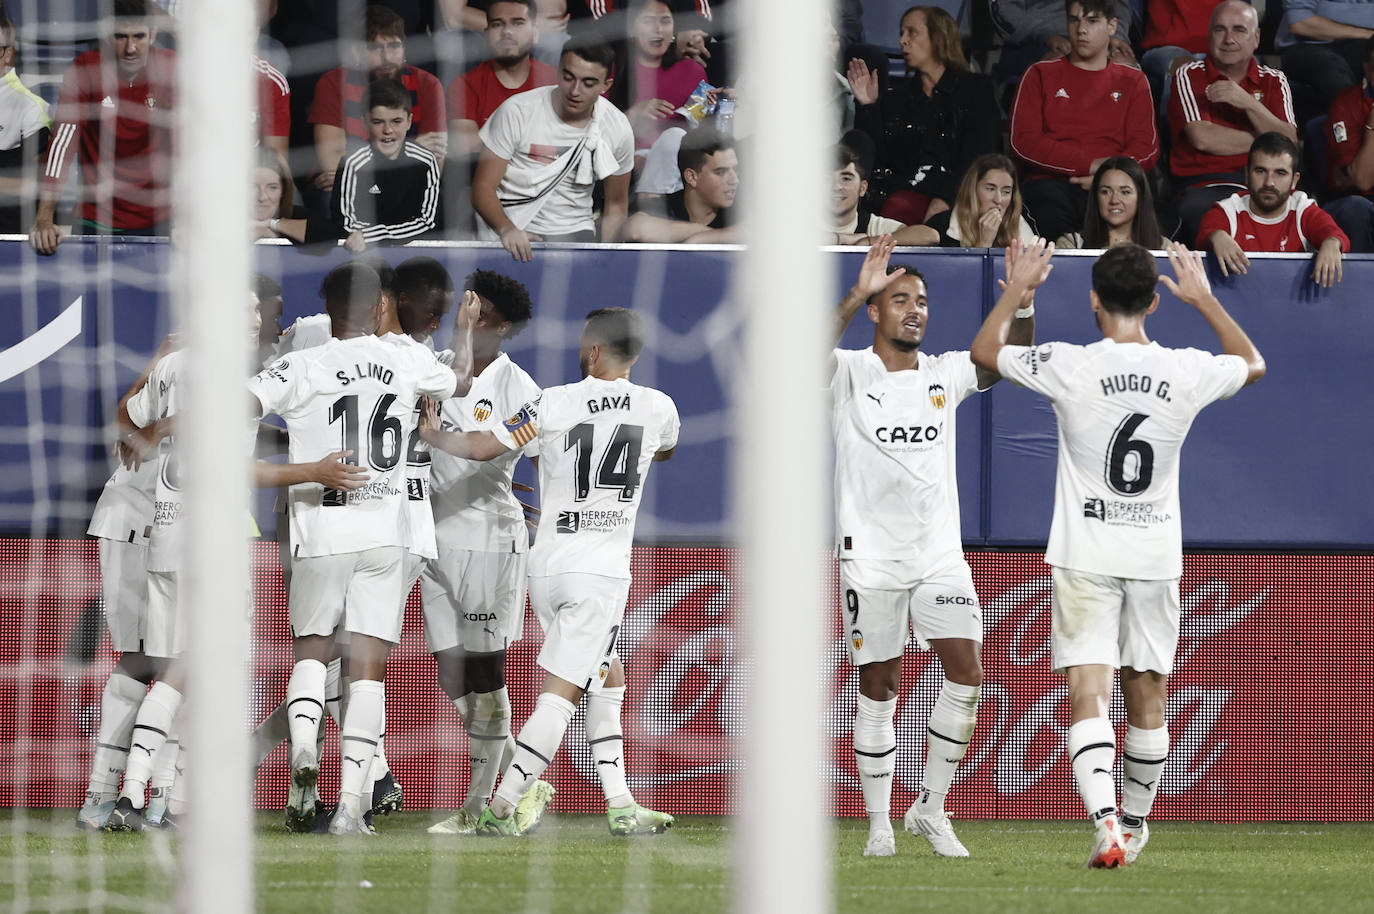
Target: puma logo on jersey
(594, 406)
(878, 399)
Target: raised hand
(873, 275)
(863, 82)
(1029, 265)
(1191, 284)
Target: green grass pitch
(573, 865)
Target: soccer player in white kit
(1124, 406)
(474, 593)
(597, 439)
(122, 522)
(897, 534)
(348, 555)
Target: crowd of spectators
(1093, 122)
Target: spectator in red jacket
(1219, 105)
(1350, 158)
(337, 109)
(1073, 113)
(1273, 216)
(473, 96)
(114, 116)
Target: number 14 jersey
(1123, 410)
(596, 441)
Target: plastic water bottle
(725, 117)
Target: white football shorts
(360, 591)
(164, 630)
(474, 600)
(878, 606)
(580, 615)
(124, 585)
(1120, 622)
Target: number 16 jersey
(596, 441)
(353, 395)
(1123, 410)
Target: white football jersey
(896, 495)
(357, 394)
(596, 441)
(1123, 410)
(304, 333)
(159, 399)
(124, 510)
(474, 507)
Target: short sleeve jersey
(896, 496)
(529, 135)
(304, 333)
(596, 440)
(1301, 226)
(357, 394)
(159, 399)
(478, 92)
(1123, 410)
(474, 507)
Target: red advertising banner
(1271, 708)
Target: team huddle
(400, 469)
(400, 465)
(1124, 405)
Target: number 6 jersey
(1123, 410)
(596, 441)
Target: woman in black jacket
(929, 127)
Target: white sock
(358, 742)
(176, 800)
(539, 739)
(151, 727)
(464, 705)
(305, 703)
(875, 755)
(947, 738)
(488, 727)
(607, 742)
(1142, 762)
(380, 768)
(118, 710)
(334, 692)
(271, 732)
(1092, 750)
(165, 765)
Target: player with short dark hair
(348, 548)
(1124, 405)
(474, 591)
(897, 533)
(596, 439)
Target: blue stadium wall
(1283, 465)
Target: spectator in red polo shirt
(1073, 113)
(337, 109)
(473, 96)
(1219, 105)
(1350, 158)
(114, 116)
(1273, 216)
